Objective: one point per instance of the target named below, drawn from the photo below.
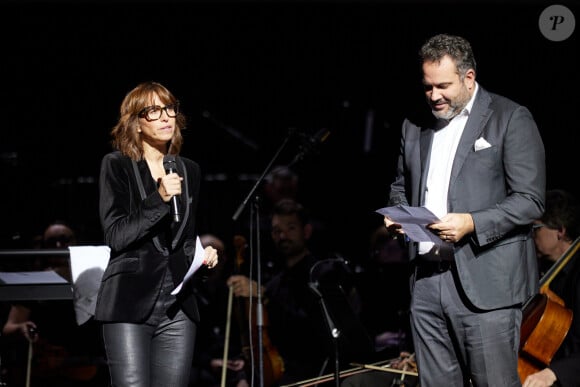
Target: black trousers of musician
(157, 353)
(455, 344)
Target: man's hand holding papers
(413, 221)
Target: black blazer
(144, 241)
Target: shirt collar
(467, 109)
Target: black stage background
(249, 72)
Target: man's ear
(562, 233)
(470, 79)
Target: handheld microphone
(170, 167)
(311, 144)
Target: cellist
(554, 233)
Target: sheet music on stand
(86, 264)
(31, 277)
(33, 285)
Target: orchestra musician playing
(556, 232)
(295, 322)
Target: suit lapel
(149, 184)
(478, 117)
(146, 184)
(183, 202)
(426, 139)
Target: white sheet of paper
(87, 257)
(414, 221)
(407, 214)
(196, 264)
(88, 263)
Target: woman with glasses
(147, 205)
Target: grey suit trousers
(490, 338)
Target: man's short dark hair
(291, 207)
(562, 210)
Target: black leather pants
(157, 353)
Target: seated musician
(554, 233)
(63, 353)
(296, 325)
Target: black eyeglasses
(152, 113)
(537, 226)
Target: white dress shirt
(443, 148)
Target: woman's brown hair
(125, 135)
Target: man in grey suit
(480, 168)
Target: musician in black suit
(554, 234)
(149, 333)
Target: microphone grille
(169, 162)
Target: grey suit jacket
(144, 242)
(502, 187)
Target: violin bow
(387, 368)
(227, 337)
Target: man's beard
(455, 106)
(288, 248)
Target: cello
(246, 316)
(545, 321)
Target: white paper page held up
(196, 264)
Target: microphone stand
(261, 178)
(255, 211)
(334, 332)
(231, 131)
